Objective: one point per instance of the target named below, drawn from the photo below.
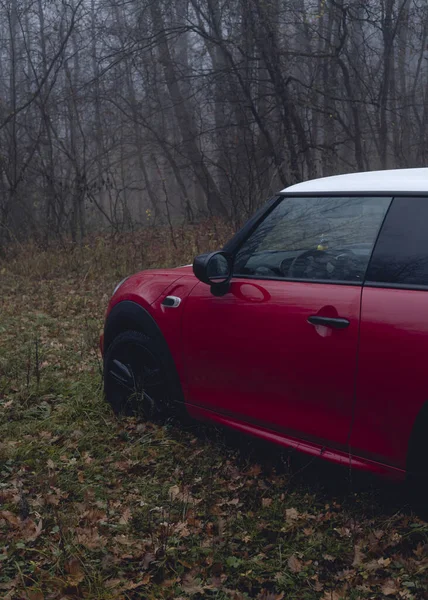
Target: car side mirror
(214, 269)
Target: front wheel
(417, 466)
(134, 379)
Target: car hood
(185, 269)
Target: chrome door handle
(334, 323)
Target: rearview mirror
(214, 268)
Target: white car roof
(397, 181)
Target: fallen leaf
(133, 585)
(358, 556)
(373, 565)
(421, 550)
(345, 574)
(123, 540)
(126, 516)
(9, 585)
(113, 583)
(186, 564)
(291, 515)
(343, 531)
(191, 585)
(33, 594)
(378, 534)
(174, 492)
(31, 530)
(389, 588)
(75, 572)
(384, 562)
(182, 496)
(266, 502)
(328, 557)
(53, 499)
(182, 530)
(221, 524)
(94, 515)
(90, 538)
(10, 518)
(255, 470)
(265, 595)
(233, 502)
(294, 564)
(331, 595)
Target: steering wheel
(312, 264)
(265, 271)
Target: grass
(92, 506)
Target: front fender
(131, 316)
(145, 287)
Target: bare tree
(117, 113)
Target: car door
(392, 386)
(279, 349)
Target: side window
(401, 253)
(315, 239)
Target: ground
(98, 507)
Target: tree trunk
(184, 118)
(384, 100)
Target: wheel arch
(416, 461)
(130, 316)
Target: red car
(309, 328)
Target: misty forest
(116, 114)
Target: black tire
(417, 465)
(417, 493)
(135, 380)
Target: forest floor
(98, 507)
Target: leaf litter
(92, 506)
